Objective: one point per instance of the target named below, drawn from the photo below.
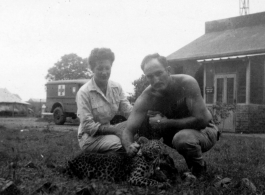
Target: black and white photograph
(128, 97)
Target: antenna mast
(243, 7)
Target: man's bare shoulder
(188, 84)
(144, 101)
(183, 79)
(147, 93)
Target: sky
(34, 35)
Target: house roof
(18, 96)
(7, 97)
(228, 37)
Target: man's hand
(133, 149)
(157, 121)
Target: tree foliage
(139, 86)
(71, 66)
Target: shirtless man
(176, 112)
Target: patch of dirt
(30, 123)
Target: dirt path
(35, 123)
(40, 124)
(245, 135)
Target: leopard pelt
(152, 166)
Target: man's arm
(133, 124)
(200, 115)
(125, 107)
(196, 105)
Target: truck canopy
(77, 81)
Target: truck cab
(61, 98)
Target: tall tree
(71, 66)
(139, 86)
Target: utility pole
(243, 7)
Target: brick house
(228, 62)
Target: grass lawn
(232, 157)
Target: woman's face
(102, 71)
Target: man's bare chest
(171, 107)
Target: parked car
(61, 99)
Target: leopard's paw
(164, 185)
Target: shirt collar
(92, 86)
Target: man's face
(156, 74)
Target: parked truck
(61, 99)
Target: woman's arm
(89, 126)
(84, 113)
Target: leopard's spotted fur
(141, 170)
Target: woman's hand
(109, 130)
(118, 132)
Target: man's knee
(183, 140)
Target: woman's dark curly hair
(100, 54)
(160, 58)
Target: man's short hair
(148, 58)
(100, 54)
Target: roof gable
(7, 97)
(235, 22)
(234, 36)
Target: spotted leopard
(152, 166)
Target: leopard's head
(155, 151)
(151, 149)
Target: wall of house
(250, 118)
(242, 119)
(257, 80)
(210, 71)
(256, 119)
(237, 67)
